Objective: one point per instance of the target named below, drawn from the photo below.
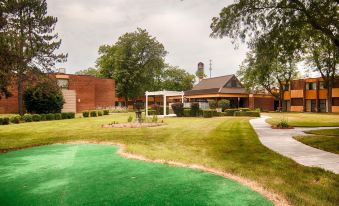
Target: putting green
(95, 175)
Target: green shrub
(187, 112)
(50, 116)
(130, 119)
(36, 117)
(1, 120)
(70, 115)
(212, 104)
(93, 113)
(5, 121)
(106, 112)
(15, 119)
(85, 114)
(27, 118)
(42, 117)
(155, 118)
(99, 113)
(244, 109)
(283, 124)
(178, 109)
(152, 112)
(247, 114)
(44, 97)
(230, 112)
(64, 115)
(224, 104)
(195, 109)
(57, 116)
(208, 113)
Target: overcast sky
(183, 27)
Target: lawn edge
(277, 200)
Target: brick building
(309, 95)
(229, 87)
(81, 92)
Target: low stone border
(133, 125)
(275, 198)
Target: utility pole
(210, 68)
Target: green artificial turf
(95, 175)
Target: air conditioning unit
(62, 71)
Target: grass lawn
(304, 119)
(225, 143)
(54, 174)
(327, 139)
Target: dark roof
(212, 83)
(215, 85)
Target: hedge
(106, 112)
(5, 121)
(247, 114)
(187, 112)
(50, 116)
(57, 116)
(36, 117)
(195, 109)
(99, 113)
(27, 118)
(178, 109)
(85, 114)
(208, 113)
(42, 117)
(93, 113)
(15, 119)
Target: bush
(224, 104)
(178, 109)
(208, 113)
(99, 113)
(50, 116)
(106, 112)
(1, 120)
(187, 112)
(45, 97)
(152, 112)
(283, 124)
(212, 104)
(15, 119)
(57, 116)
(36, 117)
(42, 117)
(195, 109)
(93, 113)
(85, 114)
(247, 114)
(230, 112)
(130, 119)
(64, 115)
(70, 115)
(5, 121)
(155, 118)
(27, 118)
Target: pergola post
(146, 104)
(182, 97)
(165, 105)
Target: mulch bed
(275, 127)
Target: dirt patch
(133, 125)
(275, 198)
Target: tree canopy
(176, 79)
(90, 71)
(29, 42)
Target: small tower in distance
(200, 73)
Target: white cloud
(182, 26)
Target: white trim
(165, 94)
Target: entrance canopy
(165, 94)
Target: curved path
(281, 141)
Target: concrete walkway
(281, 141)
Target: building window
(311, 85)
(321, 85)
(286, 87)
(63, 83)
(297, 102)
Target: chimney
(62, 71)
(200, 72)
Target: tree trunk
(126, 101)
(20, 96)
(329, 96)
(281, 93)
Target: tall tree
(323, 57)
(250, 19)
(90, 71)
(176, 79)
(29, 36)
(135, 62)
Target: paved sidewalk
(281, 141)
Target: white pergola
(165, 94)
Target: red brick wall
(91, 92)
(10, 105)
(264, 103)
